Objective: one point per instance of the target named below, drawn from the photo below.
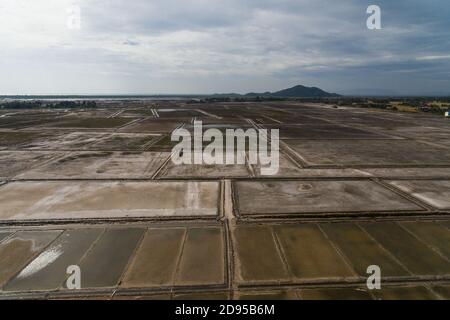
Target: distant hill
(298, 91)
(302, 91)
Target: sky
(218, 46)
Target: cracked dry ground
(97, 189)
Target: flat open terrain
(97, 188)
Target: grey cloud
(218, 46)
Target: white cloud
(431, 58)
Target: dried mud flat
(97, 189)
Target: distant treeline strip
(50, 105)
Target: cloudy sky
(208, 46)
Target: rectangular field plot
(326, 131)
(434, 134)
(16, 162)
(100, 165)
(112, 257)
(302, 198)
(287, 119)
(287, 254)
(88, 123)
(65, 200)
(17, 139)
(178, 257)
(48, 270)
(154, 126)
(408, 172)
(407, 244)
(339, 252)
(369, 152)
(435, 193)
(288, 169)
(178, 113)
(17, 251)
(184, 171)
(65, 141)
(203, 171)
(125, 141)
